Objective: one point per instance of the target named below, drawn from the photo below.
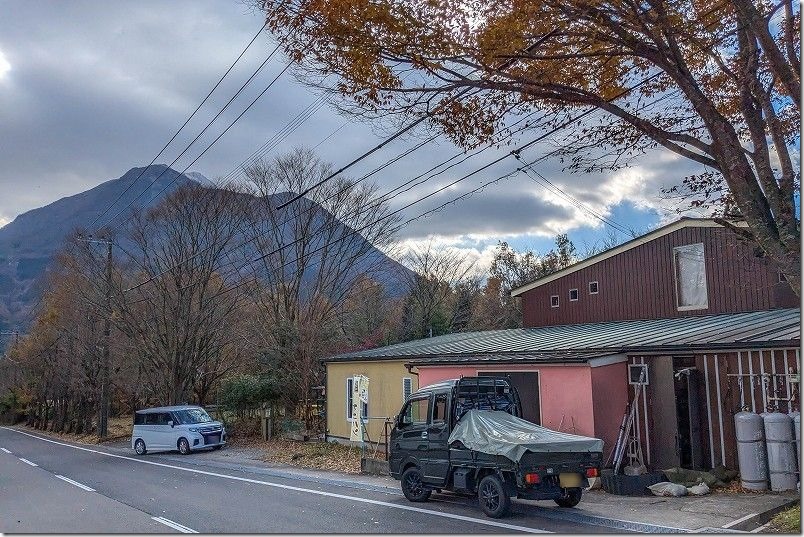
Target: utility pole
(103, 406)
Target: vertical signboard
(359, 398)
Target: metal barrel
(797, 431)
(751, 452)
(781, 452)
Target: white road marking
(76, 483)
(473, 520)
(175, 525)
(5, 450)
(741, 519)
(26, 461)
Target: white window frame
(364, 410)
(637, 371)
(558, 301)
(676, 282)
(409, 380)
(597, 287)
(577, 295)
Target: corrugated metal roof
(580, 342)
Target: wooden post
(263, 423)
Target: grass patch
(788, 521)
(316, 455)
(118, 428)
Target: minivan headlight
(193, 429)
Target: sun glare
(5, 67)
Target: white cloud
(5, 66)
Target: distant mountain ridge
(29, 242)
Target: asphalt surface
(75, 488)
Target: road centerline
(4, 450)
(453, 516)
(26, 461)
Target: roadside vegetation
(788, 521)
(194, 316)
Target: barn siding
(640, 283)
(720, 398)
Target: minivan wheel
(494, 499)
(139, 447)
(184, 446)
(412, 486)
(571, 497)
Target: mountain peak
(200, 178)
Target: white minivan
(184, 428)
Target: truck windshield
(192, 415)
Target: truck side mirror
(171, 423)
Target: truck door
(437, 464)
(411, 439)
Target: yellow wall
(385, 394)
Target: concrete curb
(612, 523)
(754, 520)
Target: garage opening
(527, 384)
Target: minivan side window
(139, 419)
(415, 412)
(157, 418)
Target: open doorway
(527, 384)
(687, 381)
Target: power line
(387, 196)
(276, 139)
(399, 133)
(208, 125)
(218, 83)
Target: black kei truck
(467, 436)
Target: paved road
(83, 489)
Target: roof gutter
(410, 367)
(416, 361)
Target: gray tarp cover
(499, 433)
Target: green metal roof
(580, 342)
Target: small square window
(573, 295)
(554, 301)
(592, 288)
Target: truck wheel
(412, 486)
(570, 498)
(493, 498)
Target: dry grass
(315, 455)
(788, 521)
(119, 428)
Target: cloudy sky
(91, 89)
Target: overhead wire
(415, 123)
(206, 127)
(186, 121)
